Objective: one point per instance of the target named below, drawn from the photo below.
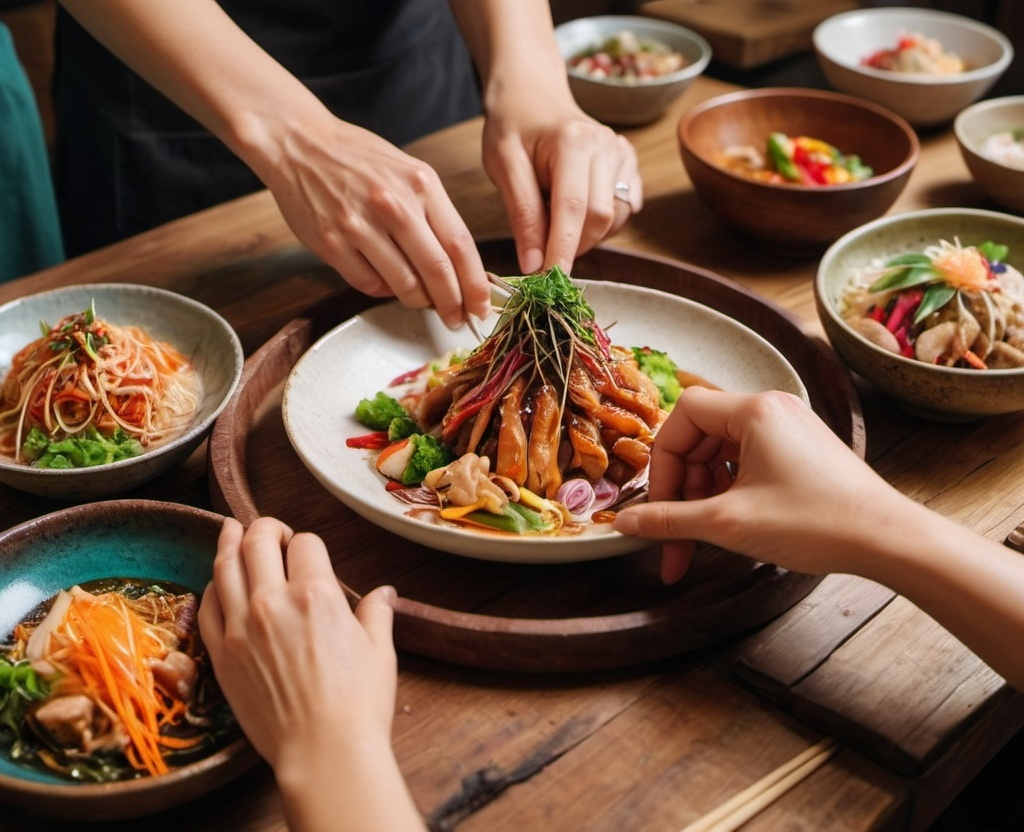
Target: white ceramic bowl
(192, 327)
(615, 102)
(940, 393)
(1003, 184)
(843, 41)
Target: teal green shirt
(30, 237)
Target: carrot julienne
(104, 649)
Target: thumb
(376, 613)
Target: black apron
(127, 159)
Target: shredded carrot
(104, 649)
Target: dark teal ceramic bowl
(118, 538)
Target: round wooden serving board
(552, 617)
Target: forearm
(971, 585)
(346, 788)
(514, 49)
(198, 57)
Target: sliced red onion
(576, 495)
(606, 493)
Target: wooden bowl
(789, 218)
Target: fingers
(211, 621)
(230, 582)
(592, 196)
(376, 614)
(677, 523)
(676, 557)
(307, 559)
(263, 548)
(514, 176)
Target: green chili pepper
(780, 150)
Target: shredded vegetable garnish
(85, 379)
(543, 424)
(949, 304)
(121, 692)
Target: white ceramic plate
(358, 358)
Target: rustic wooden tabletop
(657, 745)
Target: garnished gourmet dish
(800, 160)
(109, 681)
(88, 393)
(916, 53)
(950, 305)
(628, 59)
(1005, 147)
(544, 428)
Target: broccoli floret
(377, 413)
(401, 427)
(662, 371)
(429, 453)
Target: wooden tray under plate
(577, 616)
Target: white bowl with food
(626, 70)
(928, 306)
(990, 135)
(922, 64)
(106, 386)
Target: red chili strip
(371, 441)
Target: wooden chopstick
(742, 807)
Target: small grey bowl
(614, 102)
(947, 394)
(844, 40)
(190, 326)
(1002, 183)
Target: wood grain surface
(656, 745)
(748, 33)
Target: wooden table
(744, 34)
(651, 747)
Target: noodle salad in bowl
(105, 386)
(548, 420)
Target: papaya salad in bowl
(929, 307)
(105, 386)
(109, 708)
(519, 445)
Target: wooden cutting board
(749, 33)
(551, 617)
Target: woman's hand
(289, 653)
(311, 683)
(378, 216)
(567, 181)
(761, 475)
